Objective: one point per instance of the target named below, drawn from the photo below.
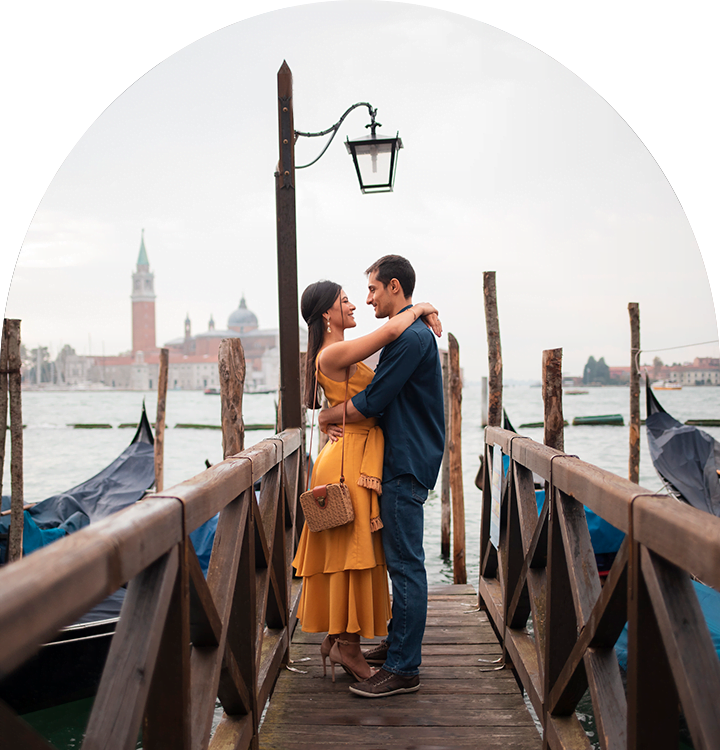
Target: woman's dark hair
(317, 299)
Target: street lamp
(375, 157)
(375, 160)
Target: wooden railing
(544, 568)
(182, 640)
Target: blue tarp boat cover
(605, 538)
(117, 486)
(685, 457)
(710, 604)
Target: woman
(345, 589)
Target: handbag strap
(312, 426)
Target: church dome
(242, 319)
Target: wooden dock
(459, 704)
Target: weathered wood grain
(455, 453)
(17, 491)
(159, 446)
(634, 453)
(231, 371)
(495, 364)
(471, 706)
(118, 707)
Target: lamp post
(375, 160)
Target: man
(406, 396)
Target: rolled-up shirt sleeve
(398, 362)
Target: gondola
(69, 667)
(686, 458)
(687, 461)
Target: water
(57, 457)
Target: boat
(249, 389)
(687, 461)
(69, 667)
(602, 419)
(686, 458)
(666, 385)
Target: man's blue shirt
(406, 395)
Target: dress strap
(312, 425)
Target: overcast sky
(511, 163)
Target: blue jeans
(401, 510)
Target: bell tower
(143, 303)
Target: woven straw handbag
(328, 505)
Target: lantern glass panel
(375, 162)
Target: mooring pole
(290, 407)
(3, 398)
(160, 419)
(552, 399)
(445, 514)
(634, 461)
(494, 415)
(15, 537)
(456, 478)
(231, 369)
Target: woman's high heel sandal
(325, 647)
(336, 657)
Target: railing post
(488, 555)
(560, 629)
(651, 696)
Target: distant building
(193, 360)
(702, 371)
(143, 304)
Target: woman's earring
(327, 320)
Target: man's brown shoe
(377, 655)
(384, 683)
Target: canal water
(58, 456)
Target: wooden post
(15, 537)
(231, 366)
(483, 401)
(445, 470)
(290, 410)
(552, 398)
(494, 417)
(456, 478)
(3, 398)
(160, 419)
(634, 461)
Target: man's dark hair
(394, 267)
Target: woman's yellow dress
(345, 584)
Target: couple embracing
(393, 444)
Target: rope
(669, 349)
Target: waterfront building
(193, 360)
(701, 371)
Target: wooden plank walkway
(458, 705)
